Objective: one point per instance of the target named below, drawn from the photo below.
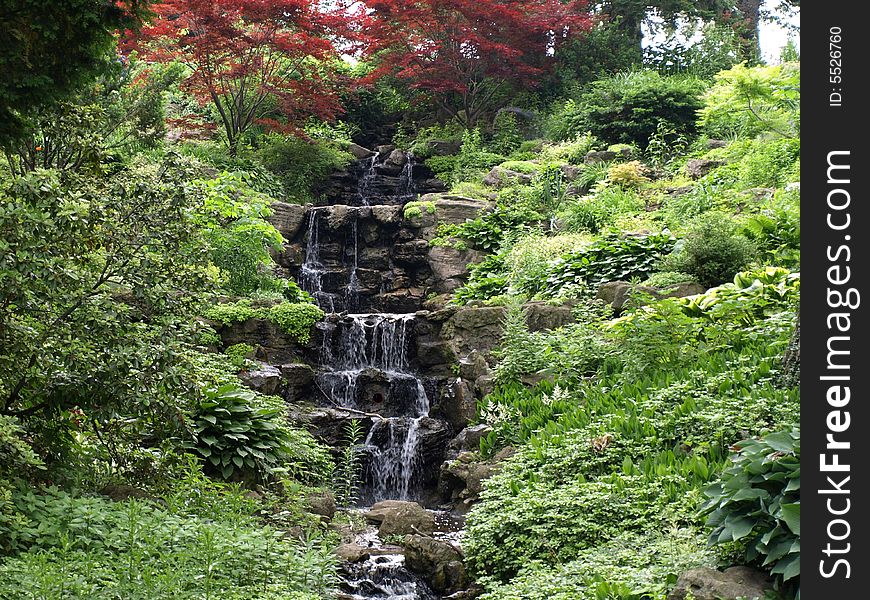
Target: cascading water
(365, 366)
(375, 346)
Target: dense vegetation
(134, 208)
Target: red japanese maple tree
(254, 60)
(467, 52)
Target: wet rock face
(438, 562)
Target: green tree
(48, 50)
(99, 280)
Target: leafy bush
(628, 106)
(240, 434)
(506, 135)
(294, 318)
(486, 279)
(527, 262)
(233, 216)
(239, 354)
(757, 501)
(416, 208)
(629, 175)
(599, 210)
(712, 251)
(542, 522)
(751, 296)
(749, 101)
(301, 165)
(665, 279)
(612, 258)
(572, 151)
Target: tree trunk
(748, 29)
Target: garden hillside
(439, 300)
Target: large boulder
(475, 328)
(298, 378)
(387, 214)
(265, 379)
(698, 167)
(735, 583)
(399, 517)
(542, 316)
(450, 266)
(321, 503)
(499, 177)
(444, 147)
(594, 157)
(618, 293)
(438, 562)
(458, 404)
(468, 439)
(288, 218)
(463, 477)
(360, 152)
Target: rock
(499, 177)
(680, 290)
(438, 562)
(120, 492)
(329, 425)
(711, 144)
(469, 438)
(593, 157)
(450, 266)
(339, 215)
(458, 404)
(387, 214)
(360, 152)
(434, 353)
(735, 583)
(570, 172)
(385, 149)
(698, 167)
(398, 158)
(541, 316)
(399, 517)
(474, 328)
(444, 147)
(291, 256)
(464, 477)
(473, 366)
(352, 553)
(322, 503)
(618, 293)
(288, 218)
(298, 377)
(411, 253)
(453, 209)
(266, 379)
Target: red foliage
(466, 52)
(251, 59)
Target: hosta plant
(238, 435)
(757, 501)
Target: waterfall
(365, 180)
(374, 347)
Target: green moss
(416, 208)
(293, 318)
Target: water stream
(365, 366)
